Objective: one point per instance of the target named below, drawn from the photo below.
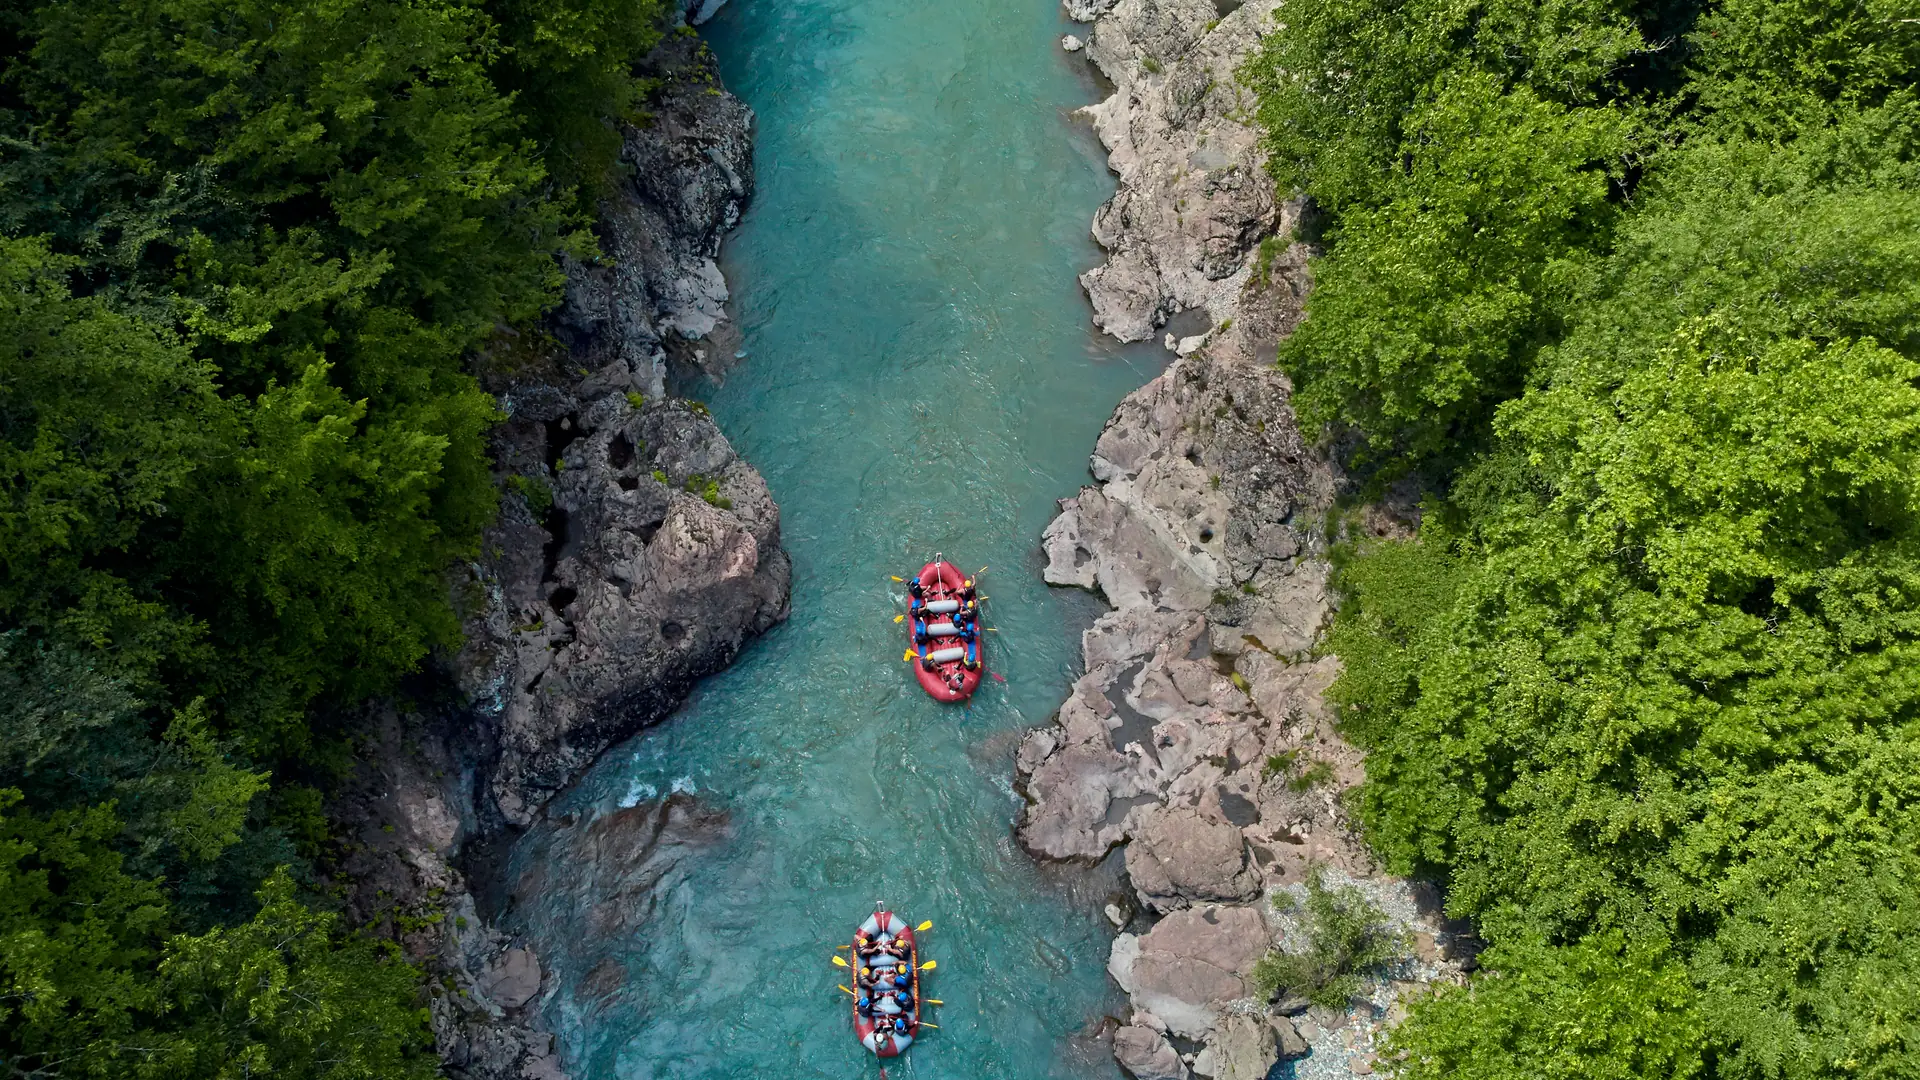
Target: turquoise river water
(919, 375)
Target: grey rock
(1190, 964)
(513, 980)
(1071, 43)
(1194, 200)
(1240, 1047)
(588, 617)
(689, 172)
(602, 615)
(1178, 857)
(1290, 1043)
(1147, 1055)
(1087, 10)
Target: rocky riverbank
(635, 552)
(1199, 736)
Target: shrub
(1348, 940)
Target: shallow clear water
(919, 375)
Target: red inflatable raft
(943, 630)
(883, 950)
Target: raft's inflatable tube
(880, 1036)
(947, 664)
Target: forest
(1630, 293)
(247, 250)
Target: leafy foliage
(246, 249)
(1641, 689)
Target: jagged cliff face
(635, 553)
(1200, 737)
(659, 556)
(1194, 198)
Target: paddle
(923, 1023)
(929, 965)
(935, 1001)
(848, 991)
(838, 962)
(923, 927)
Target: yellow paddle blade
(848, 991)
(896, 577)
(908, 656)
(843, 946)
(935, 1001)
(923, 927)
(899, 618)
(935, 1027)
(929, 965)
(837, 962)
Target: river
(918, 374)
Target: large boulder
(1190, 964)
(1147, 1055)
(1178, 857)
(1241, 1047)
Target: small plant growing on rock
(1311, 777)
(636, 399)
(660, 475)
(1270, 249)
(1151, 64)
(1277, 764)
(708, 490)
(536, 492)
(1348, 941)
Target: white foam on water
(637, 792)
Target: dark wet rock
(690, 172)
